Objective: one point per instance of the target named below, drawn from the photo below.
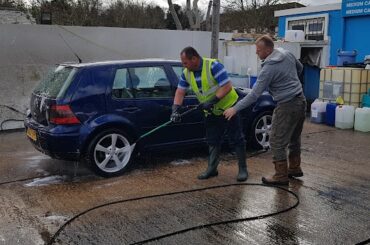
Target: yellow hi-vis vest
(209, 87)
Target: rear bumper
(60, 145)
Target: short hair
(267, 41)
(190, 52)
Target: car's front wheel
(109, 153)
(260, 130)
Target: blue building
(327, 29)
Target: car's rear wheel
(260, 130)
(109, 153)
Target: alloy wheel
(262, 131)
(112, 153)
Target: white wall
(28, 51)
(244, 55)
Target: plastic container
(332, 89)
(330, 114)
(244, 70)
(349, 83)
(239, 81)
(294, 36)
(318, 111)
(362, 119)
(366, 99)
(229, 63)
(346, 57)
(253, 80)
(344, 116)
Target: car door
(192, 124)
(144, 93)
(121, 100)
(153, 95)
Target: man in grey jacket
(279, 73)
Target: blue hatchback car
(93, 112)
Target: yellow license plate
(32, 134)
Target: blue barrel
(253, 81)
(346, 57)
(330, 114)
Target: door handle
(130, 109)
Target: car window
(55, 84)
(178, 70)
(150, 82)
(122, 87)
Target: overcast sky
(203, 3)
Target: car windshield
(56, 82)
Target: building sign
(355, 7)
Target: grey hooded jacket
(279, 74)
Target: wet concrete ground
(38, 195)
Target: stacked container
(366, 99)
(350, 83)
(362, 119)
(229, 64)
(330, 114)
(318, 110)
(344, 116)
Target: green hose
(164, 124)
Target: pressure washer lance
(192, 108)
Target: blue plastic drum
(346, 57)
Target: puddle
(58, 218)
(180, 162)
(34, 161)
(47, 181)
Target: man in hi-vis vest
(209, 81)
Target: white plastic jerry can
(318, 111)
(362, 119)
(344, 116)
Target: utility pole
(215, 28)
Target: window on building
(298, 27)
(313, 28)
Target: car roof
(120, 62)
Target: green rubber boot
(213, 161)
(242, 162)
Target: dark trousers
(287, 125)
(218, 126)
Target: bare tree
(208, 17)
(192, 12)
(244, 5)
(119, 13)
(236, 4)
(252, 15)
(174, 15)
